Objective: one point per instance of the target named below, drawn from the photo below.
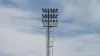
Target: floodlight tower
(49, 21)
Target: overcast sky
(22, 34)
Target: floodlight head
(56, 10)
(50, 20)
(46, 16)
(44, 10)
(49, 17)
(53, 15)
(51, 10)
(43, 15)
(56, 16)
(48, 10)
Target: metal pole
(48, 38)
(49, 21)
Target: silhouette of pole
(49, 21)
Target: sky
(22, 34)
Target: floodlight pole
(49, 23)
(48, 38)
